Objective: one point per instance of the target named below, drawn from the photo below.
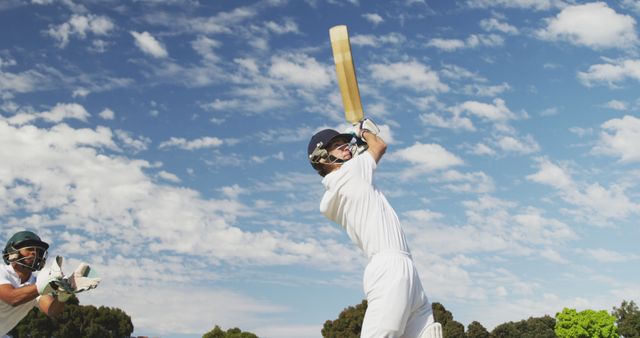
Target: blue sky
(164, 142)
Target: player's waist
(390, 252)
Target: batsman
(397, 304)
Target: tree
(585, 324)
(534, 327)
(628, 319)
(476, 330)
(348, 324)
(450, 327)
(75, 321)
(217, 332)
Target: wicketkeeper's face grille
(30, 257)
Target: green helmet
(22, 239)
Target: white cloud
(137, 144)
(534, 228)
(378, 41)
(165, 175)
(65, 111)
(493, 24)
(591, 202)
(525, 145)
(204, 46)
(611, 73)
(221, 22)
(447, 45)
(473, 41)
(7, 62)
(594, 25)
(422, 215)
(168, 307)
(607, 256)
(289, 26)
(552, 175)
(24, 82)
(79, 26)
(58, 113)
(531, 4)
(199, 143)
(233, 191)
(299, 70)
(486, 90)
(107, 114)
(455, 122)
(496, 112)
(474, 182)
(80, 92)
(620, 138)
(149, 45)
(374, 18)
(617, 105)
(482, 149)
(633, 5)
(426, 158)
(458, 73)
(412, 75)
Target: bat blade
(346, 73)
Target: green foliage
(585, 324)
(75, 321)
(534, 327)
(476, 330)
(450, 327)
(348, 324)
(628, 319)
(217, 332)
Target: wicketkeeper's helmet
(24, 239)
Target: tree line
(623, 321)
(105, 322)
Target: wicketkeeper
(397, 304)
(25, 282)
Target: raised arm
(377, 147)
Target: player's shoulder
(5, 274)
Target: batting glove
(367, 125)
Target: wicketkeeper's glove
(51, 280)
(79, 282)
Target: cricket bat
(346, 73)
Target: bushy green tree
(235, 332)
(534, 327)
(75, 321)
(585, 324)
(348, 324)
(450, 327)
(476, 330)
(628, 319)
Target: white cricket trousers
(397, 305)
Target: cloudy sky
(164, 142)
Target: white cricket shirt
(10, 316)
(352, 201)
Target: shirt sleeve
(364, 165)
(4, 277)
